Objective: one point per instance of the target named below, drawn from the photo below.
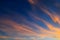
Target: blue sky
(21, 11)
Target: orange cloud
(53, 15)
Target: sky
(29, 19)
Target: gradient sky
(29, 18)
